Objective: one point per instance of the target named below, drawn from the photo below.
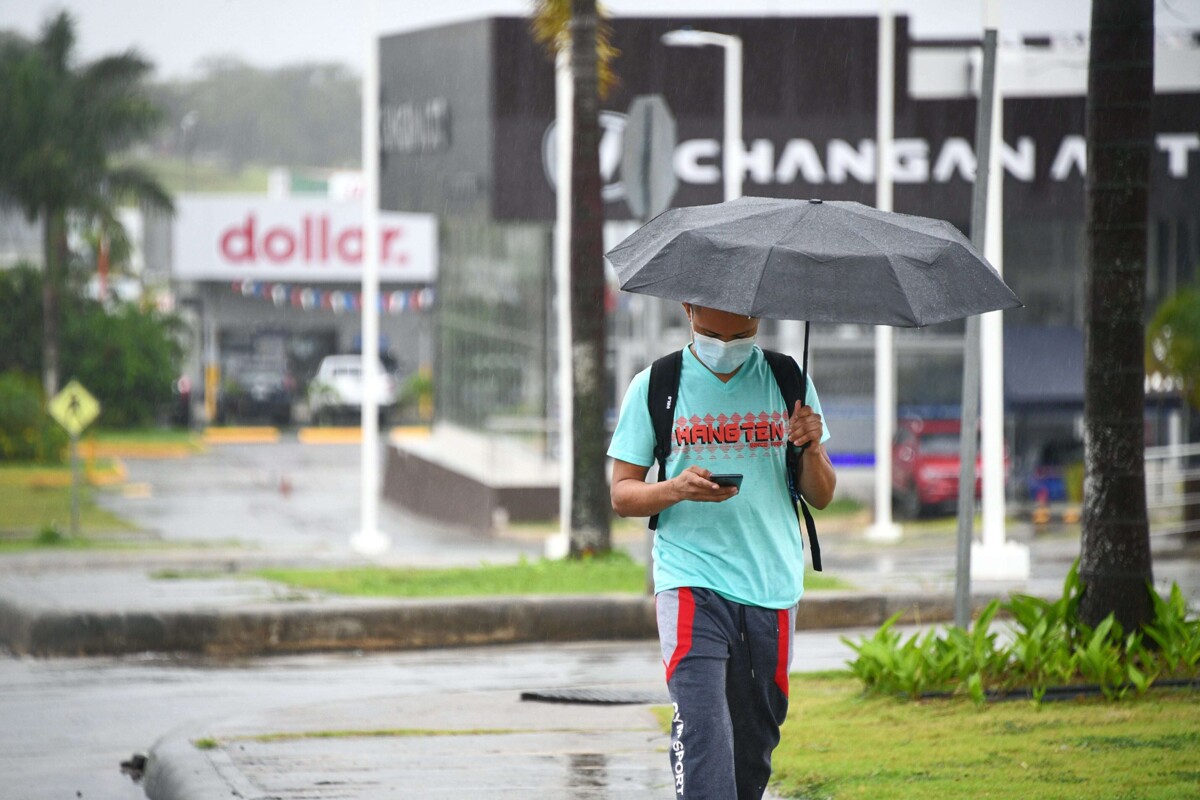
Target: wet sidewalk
(477, 744)
(404, 741)
(414, 742)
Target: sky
(177, 35)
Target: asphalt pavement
(412, 737)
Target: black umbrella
(810, 260)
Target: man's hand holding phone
(696, 483)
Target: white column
(884, 529)
(733, 155)
(558, 545)
(791, 338)
(995, 558)
(369, 540)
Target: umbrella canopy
(835, 261)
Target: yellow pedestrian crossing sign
(74, 408)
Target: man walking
(728, 560)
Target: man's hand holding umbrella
(805, 427)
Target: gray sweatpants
(727, 673)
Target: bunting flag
(337, 301)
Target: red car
(925, 466)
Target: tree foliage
(551, 28)
(1173, 342)
(27, 433)
(127, 356)
(60, 124)
(237, 114)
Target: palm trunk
(1115, 560)
(52, 244)
(590, 505)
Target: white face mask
(722, 357)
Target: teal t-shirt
(748, 548)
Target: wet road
(287, 498)
(69, 723)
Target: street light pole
(884, 529)
(731, 156)
(369, 540)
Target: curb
(323, 626)
(240, 435)
(341, 435)
(178, 770)
(140, 450)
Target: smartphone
(727, 480)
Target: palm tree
(60, 125)
(576, 26)
(1115, 550)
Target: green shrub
(127, 356)
(27, 433)
(1049, 647)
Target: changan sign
(315, 240)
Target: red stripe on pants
(683, 630)
(781, 663)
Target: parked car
(925, 467)
(336, 391)
(257, 393)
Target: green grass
(26, 507)
(147, 436)
(616, 573)
(27, 544)
(842, 745)
(291, 736)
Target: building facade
(467, 119)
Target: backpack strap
(662, 398)
(793, 387)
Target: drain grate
(606, 697)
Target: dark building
(467, 112)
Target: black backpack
(662, 399)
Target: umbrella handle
(804, 374)
(804, 365)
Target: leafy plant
(27, 433)
(1177, 637)
(51, 536)
(1049, 646)
(1101, 659)
(127, 356)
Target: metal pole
(74, 485)
(369, 540)
(995, 558)
(732, 162)
(970, 386)
(558, 546)
(884, 529)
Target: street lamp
(731, 162)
